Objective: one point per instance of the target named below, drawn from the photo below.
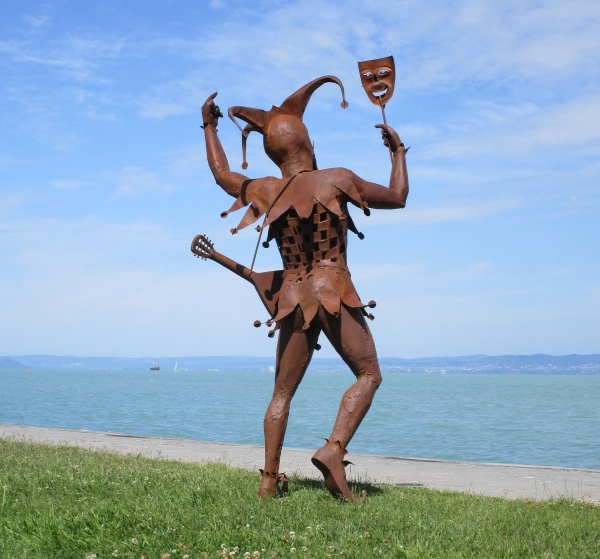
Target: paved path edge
(499, 480)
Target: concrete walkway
(500, 480)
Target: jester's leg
(352, 339)
(294, 351)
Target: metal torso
(321, 239)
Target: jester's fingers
(390, 137)
(210, 112)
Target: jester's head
(285, 137)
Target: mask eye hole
(383, 73)
(368, 75)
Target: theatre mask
(378, 78)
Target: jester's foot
(330, 460)
(272, 485)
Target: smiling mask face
(378, 78)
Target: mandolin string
(258, 243)
(266, 217)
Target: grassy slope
(60, 502)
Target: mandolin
(267, 284)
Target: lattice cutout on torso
(322, 236)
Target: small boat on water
(175, 370)
(155, 366)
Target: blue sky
(103, 179)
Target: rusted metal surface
(306, 213)
(378, 77)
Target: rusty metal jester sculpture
(306, 213)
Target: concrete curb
(499, 480)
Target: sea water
(551, 420)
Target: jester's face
(378, 78)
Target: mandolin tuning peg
(361, 236)
(367, 212)
(266, 244)
(271, 333)
(257, 324)
(372, 304)
(269, 322)
(371, 316)
(317, 347)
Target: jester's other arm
(229, 181)
(394, 197)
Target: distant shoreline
(537, 364)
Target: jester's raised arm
(228, 180)
(380, 197)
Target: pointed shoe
(331, 463)
(268, 485)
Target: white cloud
(425, 216)
(444, 46)
(135, 180)
(217, 4)
(8, 202)
(34, 21)
(93, 287)
(362, 273)
(79, 58)
(173, 98)
(68, 184)
(572, 124)
(189, 160)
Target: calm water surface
(519, 419)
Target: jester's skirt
(325, 283)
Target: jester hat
(284, 133)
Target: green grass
(63, 502)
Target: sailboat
(155, 366)
(176, 370)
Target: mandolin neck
(231, 265)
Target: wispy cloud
(79, 57)
(173, 98)
(362, 273)
(68, 184)
(189, 160)
(8, 202)
(135, 180)
(571, 124)
(428, 215)
(95, 286)
(36, 21)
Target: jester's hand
(390, 137)
(210, 112)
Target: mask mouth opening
(379, 91)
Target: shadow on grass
(297, 483)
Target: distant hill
(501, 364)
(6, 363)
